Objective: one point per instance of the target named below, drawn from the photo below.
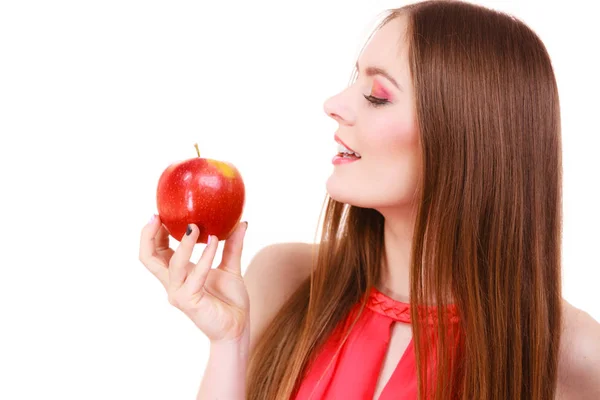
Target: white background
(98, 97)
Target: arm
(215, 299)
(271, 277)
(225, 373)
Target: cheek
(390, 144)
(394, 155)
(393, 133)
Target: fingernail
(246, 222)
(189, 230)
(152, 218)
(209, 239)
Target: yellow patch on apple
(223, 168)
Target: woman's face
(376, 119)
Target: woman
(438, 271)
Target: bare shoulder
(579, 355)
(273, 274)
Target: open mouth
(345, 152)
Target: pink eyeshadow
(379, 91)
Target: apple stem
(197, 149)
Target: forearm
(225, 374)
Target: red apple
(205, 192)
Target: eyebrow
(372, 71)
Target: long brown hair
(487, 235)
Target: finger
(148, 251)
(232, 251)
(147, 239)
(161, 240)
(180, 264)
(197, 277)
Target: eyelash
(376, 101)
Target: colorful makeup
(377, 90)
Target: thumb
(232, 251)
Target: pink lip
(337, 160)
(337, 139)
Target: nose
(338, 109)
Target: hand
(216, 300)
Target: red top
(354, 369)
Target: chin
(347, 193)
(367, 195)
(338, 191)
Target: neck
(398, 235)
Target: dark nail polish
(189, 230)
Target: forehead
(388, 49)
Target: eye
(376, 101)
(379, 96)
